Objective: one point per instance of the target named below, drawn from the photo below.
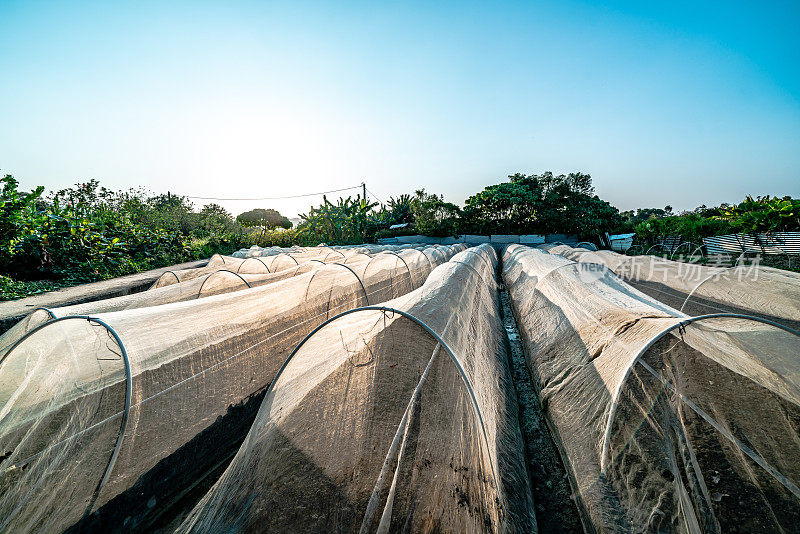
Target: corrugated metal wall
(775, 243)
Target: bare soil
(555, 505)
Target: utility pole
(364, 192)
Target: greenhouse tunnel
(72, 456)
(399, 416)
(696, 289)
(666, 422)
(213, 283)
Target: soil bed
(555, 506)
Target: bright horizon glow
(662, 104)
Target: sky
(679, 103)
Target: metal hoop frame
(128, 388)
(258, 259)
(200, 291)
(680, 323)
(387, 309)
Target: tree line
(87, 232)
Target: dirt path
(552, 495)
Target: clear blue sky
(662, 103)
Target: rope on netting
(681, 324)
(128, 393)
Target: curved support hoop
(428, 329)
(200, 291)
(707, 278)
(687, 244)
(678, 324)
(339, 252)
(393, 253)
(430, 263)
(262, 263)
(128, 390)
(172, 273)
(283, 253)
(48, 310)
(356, 256)
(698, 249)
(647, 252)
(257, 258)
(592, 245)
(366, 295)
(700, 283)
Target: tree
(763, 215)
(401, 209)
(545, 203)
(20, 218)
(346, 221)
(214, 220)
(433, 216)
(266, 219)
(508, 207)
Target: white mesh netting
(696, 289)
(400, 417)
(665, 422)
(116, 405)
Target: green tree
(545, 203)
(505, 208)
(401, 209)
(346, 221)
(763, 214)
(20, 219)
(265, 219)
(433, 216)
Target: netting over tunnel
(695, 289)
(400, 416)
(665, 422)
(215, 282)
(235, 275)
(103, 410)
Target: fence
(774, 243)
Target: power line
(376, 196)
(279, 198)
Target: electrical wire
(374, 195)
(279, 198)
